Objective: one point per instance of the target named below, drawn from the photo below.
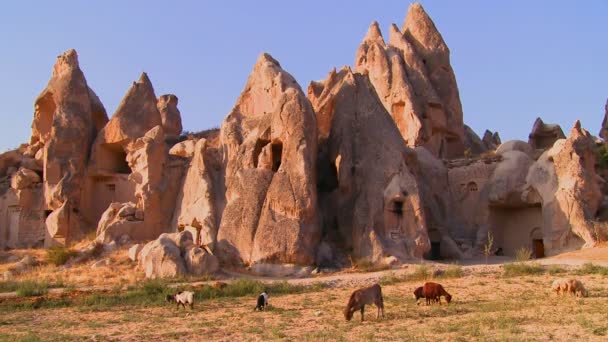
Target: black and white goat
(182, 298)
(262, 301)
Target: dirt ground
(486, 306)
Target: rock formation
(604, 129)
(269, 147)
(415, 82)
(295, 181)
(170, 115)
(376, 211)
(543, 135)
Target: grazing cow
(182, 298)
(262, 301)
(359, 298)
(431, 291)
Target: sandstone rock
(565, 180)
(7, 275)
(543, 135)
(184, 149)
(29, 261)
(161, 258)
(200, 262)
(134, 251)
(170, 115)
(509, 179)
(604, 130)
(196, 204)
(112, 225)
(491, 140)
(378, 211)
(515, 145)
(409, 89)
(24, 178)
(472, 142)
(65, 112)
(269, 142)
(9, 159)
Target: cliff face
(366, 166)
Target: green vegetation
(31, 288)
(520, 269)
(59, 255)
(523, 254)
(590, 268)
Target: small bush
(31, 288)
(520, 269)
(453, 271)
(555, 270)
(523, 254)
(421, 273)
(59, 255)
(389, 279)
(590, 268)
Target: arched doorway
(538, 247)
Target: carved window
(472, 187)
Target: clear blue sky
(514, 60)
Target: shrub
(554, 270)
(421, 273)
(59, 255)
(30, 288)
(453, 271)
(590, 268)
(520, 268)
(523, 254)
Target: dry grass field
(491, 303)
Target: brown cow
(359, 298)
(431, 291)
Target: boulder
(515, 145)
(269, 143)
(170, 115)
(543, 135)
(134, 251)
(24, 178)
(377, 212)
(118, 220)
(184, 149)
(100, 263)
(200, 262)
(509, 179)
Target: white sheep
(182, 298)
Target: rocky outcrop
(375, 211)
(24, 178)
(136, 115)
(565, 179)
(170, 115)
(175, 254)
(196, 202)
(269, 146)
(66, 112)
(543, 135)
(491, 140)
(415, 82)
(604, 129)
(472, 143)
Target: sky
(514, 60)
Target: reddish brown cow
(432, 291)
(361, 297)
